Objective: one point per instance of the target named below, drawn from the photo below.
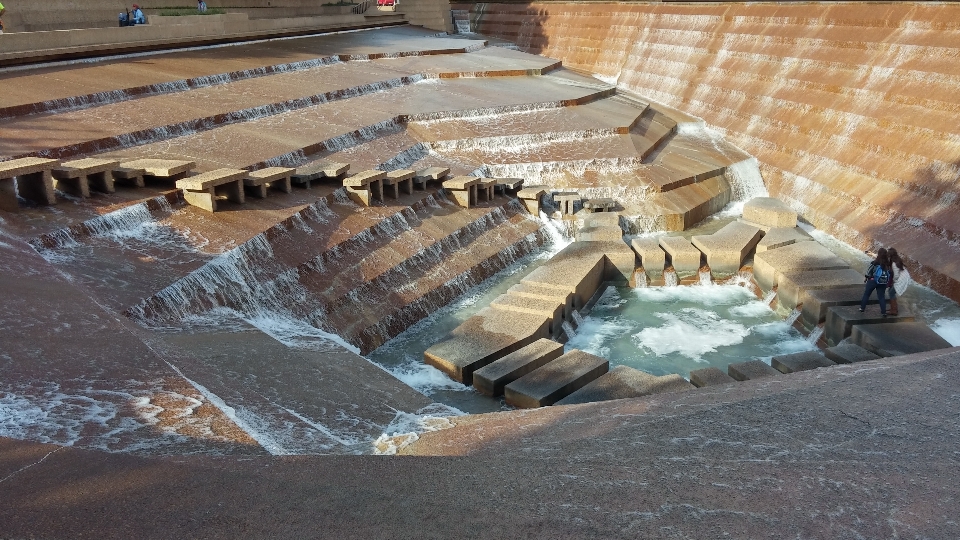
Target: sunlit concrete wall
(433, 14)
(852, 109)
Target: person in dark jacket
(877, 278)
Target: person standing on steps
(877, 279)
(901, 278)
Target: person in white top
(901, 278)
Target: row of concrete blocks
(767, 224)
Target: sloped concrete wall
(433, 14)
(851, 108)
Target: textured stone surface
(769, 212)
(769, 265)
(889, 339)
(801, 361)
(848, 353)
(727, 248)
(842, 319)
(491, 378)
(778, 237)
(710, 376)
(556, 380)
(684, 257)
(750, 370)
(793, 284)
(817, 301)
(624, 382)
(652, 256)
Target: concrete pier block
(652, 256)
(129, 176)
(848, 353)
(750, 370)
(801, 361)
(769, 212)
(400, 180)
(34, 182)
(816, 302)
(315, 170)
(624, 382)
(271, 177)
(684, 257)
(551, 308)
(792, 285)
(78, 176)
(170, 169)
(464, 190)
(530, 197)
(889, 339)
(727, 248)
(710, 376)
(842, 319)
(556, 380)
(545, 293)
(506, 185)
(203, 190)
(431, 173)
(778, 237)
(567, 201)
(768, 266)
(491, 379)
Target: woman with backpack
(877, 278)
(901, 278)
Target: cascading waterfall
(815, 334)
(577, 318)
(670, 278)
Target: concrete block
(307, 173)
(536, 306)
(545, 293)
(750, 370)
(848, 353)
(555, 381)
(768, 266)
(161, 168)
(778, 237)
(271, 177)
(896, 339)
(769, 212)
(801, 361)
(710, 376)
(652, 256)
(491, 379)
(601, 219)
(684, 257)
(202, 190)
(129, 176)
(34, 182)
(78, 176)
(792, 285)
(817, 301)
(727, 248)
(624, 382)
(842, 319)
(599, 234)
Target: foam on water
(676, 334)
(949, 329)
(405, 429)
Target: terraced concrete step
(751, 370)
(841, 321)
(727, 248)
(778, 237)
(896, 339)
(624, 382)
(491, 379)
(848, 353)
(801, 361)
(710, 376)
(683, 255)
(816, 302)
(556, 380)
(769, 265)
(792, 285)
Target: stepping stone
(727, 248)
(652, 256)
(895, 339)
(202, 190)
(430, 173)
(602, 219)
(750, 370)
(769, 265)
(842, 319)
(76, 177)
(624, 382)
(545, 293)
(768, 212)
(684, 257)
(710, 376)
(848, 353)
(552, 308)
(555, 381)
(172, 169)
(318, 169)
(34, 182)
(491, 379)
(778, 237)
(599, 234)
(801, 361)
(816, 302)
(401, 178)
(530, 196)
(365, 187)
(464, 190)
(132, 176)
(792, 285)
(600, 205)
(508, 184)
(567, 201)
(271, 177)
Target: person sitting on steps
(877, 278)
(137, 15)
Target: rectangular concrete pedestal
(710, 376)
(897, 339)
(842, 319)
(624, 382)
(792, 285)
(556, 380)
(750, 370)
(816, 302)
(848, 353)
(491, 379)
(801, 361)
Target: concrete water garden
(168, 371)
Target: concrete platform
(599, 234)
(624, 382)
(556, 380)
(897, 339)
(552, 308)
(778, 237)
(491, 379)
(545, 293)
(727, 248)
(683, 256)
(792, 285)
(750, 370)
(801, 361)
(848, 353)
(842, 319)
(769, 212)
(816, 302)
(710, 376)
(652, 256)
(768, 266)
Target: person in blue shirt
(137, 15)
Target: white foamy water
(949, 329)
(405, 429)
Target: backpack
(871, 271)
(881, 275)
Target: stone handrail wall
(851, 108)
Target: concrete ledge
(816, 302)
(556, 380)
(652, 256)
(491, 379)
(897, 339)
(768, 266)
(792, 285)
(710, 376)
(769, 212)
(842, 319)
(801, 361)
(684, 257)
(750, 370)
(778, 237)
(624, 382)
(727, 248)
(848, 353)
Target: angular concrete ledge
(778, 237)
(750, 370)
(801, 361)
(792, 285)
(710, 376)
(897, 339)
(624, 382)
(491, 379)
(77, 177)
(769, 212)
(684, 257)
(842, 319)
(768, 266)
(652, 256)
(34, 182)
(848, 353)
(727, 248)
(564, 298)
(305, 174)
(552, 308)
(816, 302)
(173, 169)
(556, 380)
